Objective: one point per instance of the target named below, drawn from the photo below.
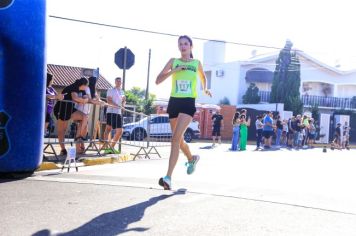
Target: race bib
(184, 87)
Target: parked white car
(157, 126)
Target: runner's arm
(167, 71)
(203, 80)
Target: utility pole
(148, 75)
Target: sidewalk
(129, 153)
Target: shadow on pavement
(13, 176)
(207, 147)
(115, 222)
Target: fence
(334, 102)
(321, 101)
(92, 130)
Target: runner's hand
(179, 68)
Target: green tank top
(184, 82)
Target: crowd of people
(297, 132)
(74, 104)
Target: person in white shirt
(116, 100)
(83, 111)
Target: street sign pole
(124, 59)
(124, 69)
(123, 85)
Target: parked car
(159, 127)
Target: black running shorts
(181, 105)
(114, 120)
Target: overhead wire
(176, 35)
(161, 33)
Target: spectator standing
(259, 130)
(63, 110)
(298, 132)
(51, 97)
(116, 100)
(268, 130)
(82, 113)
(279, 129)
(284, 132)
(337, 136)
(244, 123)
(291, 131)
(218, 124)
(305, 126)
(346, 136)
(311, 133)
(235, 131)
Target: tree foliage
(286, 81)
(251, 96)
(314, 109)
(224, 101)
(136, 96)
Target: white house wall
(224, 86)
(311, 72)
(233, 84)
(347, 90)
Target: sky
(323, 29)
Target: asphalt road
(284, 192)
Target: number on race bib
(184, 86)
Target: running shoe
(111, 151)
(165, 182)
(191, 165)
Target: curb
(107, 160)
(91, 161)
(48, 166)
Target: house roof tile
(66, 75)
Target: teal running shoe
(191, 165)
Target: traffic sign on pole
(124, 55)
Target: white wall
(347, 91)
(225, 86)
(310, 72)
(214, 53)
(324, 127)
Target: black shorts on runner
(114, 120)
(216, 131)
(63, 110)
(181, 105)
